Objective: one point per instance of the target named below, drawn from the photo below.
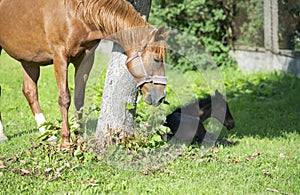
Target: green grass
(266, 158)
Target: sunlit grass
(265, 158)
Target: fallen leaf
(51, 143)
(169, 171)
(266, 172)
(22, 161)
(235, 160)
(47, 170)
(272, 190)
(202, 155)
(281, 155)
(254, 154)
(67, 164)
(92, 182)
(10, 160)
(147, 171)
(214, 150)
(25, 172)
(28, 151)
(2, 166)
(38, 167)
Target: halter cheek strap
(155, 79)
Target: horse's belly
(35, 56)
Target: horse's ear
(217, 93)
(161, 34)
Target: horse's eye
(158, 60)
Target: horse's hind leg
(30, 77)
(82, 70)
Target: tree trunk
(119, 89)
(271, 25)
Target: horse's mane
(112, 17)
(197, 103)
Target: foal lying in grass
(186, 123)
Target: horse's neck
(117, 20)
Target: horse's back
(24, 27)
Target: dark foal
(186, 123)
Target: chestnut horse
(60, 32)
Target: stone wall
(254, 61)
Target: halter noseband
(147, 78)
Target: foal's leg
(82, 70)
(203, 135)
(30, 77)
(61, 74)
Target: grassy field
(264, 160)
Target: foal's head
(220, 109)
(146, 64)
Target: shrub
(203, 23)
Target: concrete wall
(253, 61)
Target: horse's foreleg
(2, 135)
(82, 71)
(61, 74)
(30, 77)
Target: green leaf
(129, 106)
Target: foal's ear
(217, 93)
(161, 34)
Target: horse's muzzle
(154, 99)
(229, 124)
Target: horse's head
(222, 109)
(146, 64)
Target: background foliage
(216, 26)
(205, 21)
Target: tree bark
(271, 25)
(119, 89)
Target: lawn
(264, 160)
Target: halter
(155, 79)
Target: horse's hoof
(225, 142)
(42, 130)
(53, 138)
(65, 147)
(3, 138)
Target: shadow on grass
(262, 105)
(266, 105)
(25, 132)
